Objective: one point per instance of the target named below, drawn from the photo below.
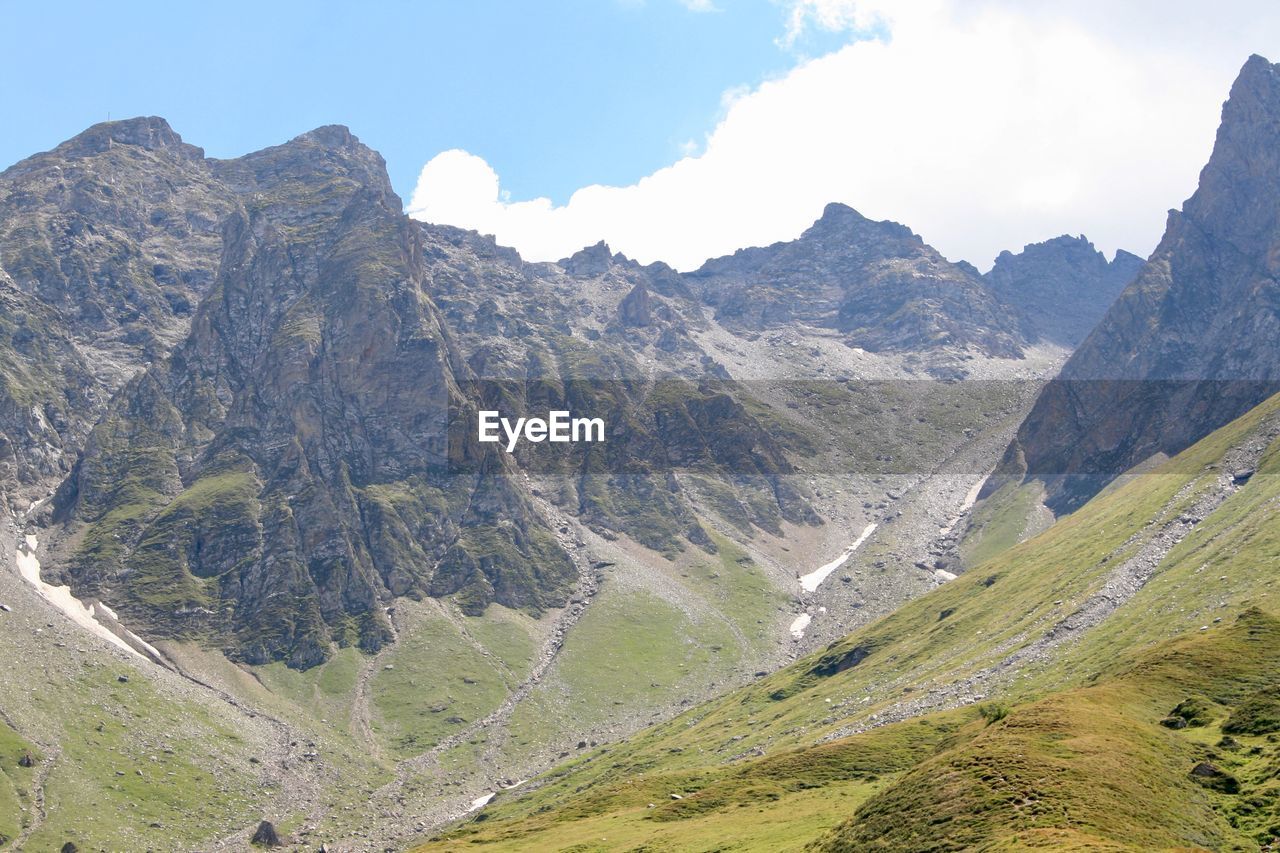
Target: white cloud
(699, 5)
(837, 16)
(981, 125)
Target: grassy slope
(446, 673)
(15, 782)
(134, 768)
(1090, 768)
(638, 647)
(1000, 522)
(990, 611)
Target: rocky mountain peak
(333, 136)
(1240, 183)
(876, 282)
(322, 165)
(1194, 340)
(841, 223)
(1061, 287)
(593, 260)
(150, 132)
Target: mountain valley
(878, 551)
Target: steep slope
(1061, 287)
(1065, 638)
(107, 243)
(276, 478)
(47, 395)
(1095, 768)
(1194, 340)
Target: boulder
(266, 835)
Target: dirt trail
(1153, 542)
(361, 722)
(392, 795)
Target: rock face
(277, 477)
(256, 382)
(878, 284)
(1061, 287)
(107, 244)
(1194, 341)
(306, 453)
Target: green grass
(1071, 730)
(15, 782)
(439, 680)
(1089, 768)
(739, 590)
(1093, 763)
(635, 650)
(325, 691)
(999, 523)
(137, 770)
(632, 649)
(508, 635)
(775, 803)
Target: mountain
(877, 284)
(107, 244)
(302, 458)
(1061, 287)
(250, 387)
(1193, 341)
(270, 483)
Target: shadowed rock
(266, 835)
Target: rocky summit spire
(1194, 341)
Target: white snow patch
(481, 802)
(801, 622)
(811, 581)
(101, 608)
(970, 498)
(942, 575)
(60, 597)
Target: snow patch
(481, 802)
(811, 581)
(970, 498)
(60, 597)
(801, 622)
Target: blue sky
(555, 94)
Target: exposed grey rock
(877, 283)
(1194, 341)
(266, 835)
(1061, 287)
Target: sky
(679, 130)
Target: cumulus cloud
(981, 125)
